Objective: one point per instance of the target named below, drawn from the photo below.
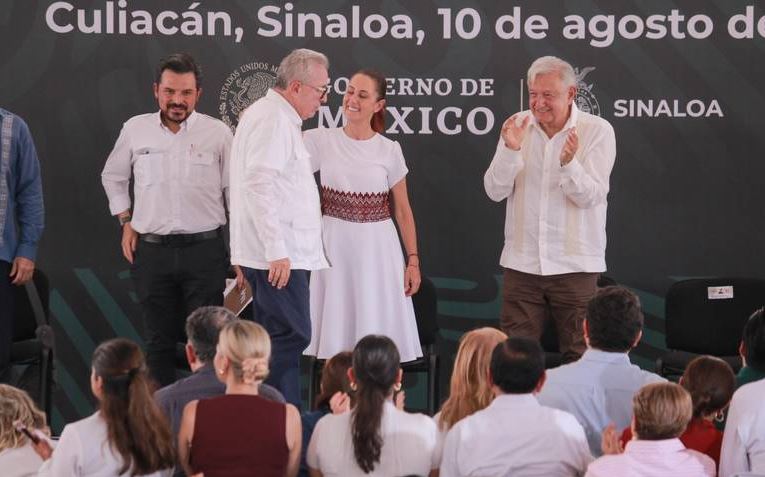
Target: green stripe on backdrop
(72, 326)
(72, 390)
(109, 308)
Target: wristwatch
(124, 219)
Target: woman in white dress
(127, 436)
(375, 439)
(368, 288)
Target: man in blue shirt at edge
(21, 221)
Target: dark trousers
(527, 298)
(171, 281)
(6, 320)
(284, 314)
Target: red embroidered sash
(355, 206)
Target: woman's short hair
(16, 405)
(711, 383)
(662, 411)
(470, 389)
(248, 348)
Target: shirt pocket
(203, 169)
(306, 230)
(149, 169)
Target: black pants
(6, 320)
(172, 281)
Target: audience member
(743, 447)
(598, 388)
(127, 436)
(752, 349)
(661, 413)
(335, 388)
(17, 456)
(711, 383)
(515, 435)
(202, 329)
(375, 438)
(470, 389)
(240, 431)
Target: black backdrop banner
(679, 81)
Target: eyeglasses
(323, 90)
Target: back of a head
(203, 328)
(614, 319)
(247, 346)
(753, 339)
(376, 363)
(517, 365)
(470, 390)
(16, 405)
(661, 411)
(334, 378)
(296, 66)
(136, 428)
(711, 383)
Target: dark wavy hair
(375, 367)
(614, 319)
(711, 383)
(179, 63)
(753, 338)
(136, 428)
(378, 119)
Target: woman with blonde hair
(128, 435)
(17, 456)
(240, 433)
(470, 389)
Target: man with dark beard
(173, 237)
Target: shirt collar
(514, 401)
(664, 446)
(596, 355)
(185, 125)
(285, 105)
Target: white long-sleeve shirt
(743, 446)
(516, 436)
(556, 216)
(180, 179)
(275, 208)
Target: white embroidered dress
(363, 290)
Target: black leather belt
(180, 239)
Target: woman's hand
(610, 442)
(412, 279)
(339, 403)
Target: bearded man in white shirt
(552, 164)
(275, 211)
(173, 238)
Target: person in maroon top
(240, 433)
(710, 382)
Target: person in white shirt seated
(515, 435)
(375, 438)
(661, 413)
(598, 389)
(17, 457)
(127, 436)
(743, 446)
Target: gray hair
(551, 64)
(296, 65)
(203, 327)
